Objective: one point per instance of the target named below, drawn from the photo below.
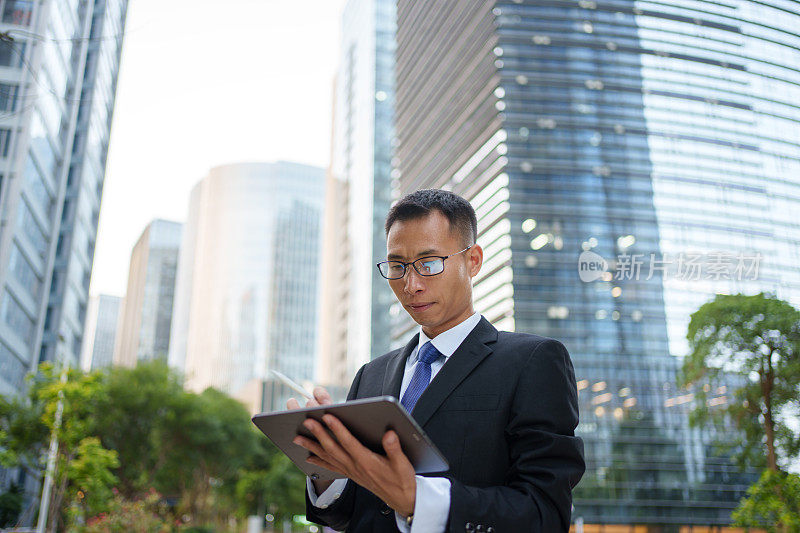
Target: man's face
(439, 302)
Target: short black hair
(457, 210)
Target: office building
(146, 314)
(614, 130)
(74, 254)
(58, 71)
(100, 332)
(247, 288)
(356, 300)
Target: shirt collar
(447, 342)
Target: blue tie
(422, 375)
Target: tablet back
(367, 419)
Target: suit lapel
(472, 351)
(393, 378)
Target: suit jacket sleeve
(546, 458)
(337, 515)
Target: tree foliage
(27, 424)
(753, 341)
(270, 483)
(145, 515)
(91, 478)
(127, 434)
(772, 503)
(10, 505)
(752, 345)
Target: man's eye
(428, 266)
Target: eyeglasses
(425, 266)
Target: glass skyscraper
(246, 290)
(58, 71)
(658, 140)
(100, 333)
(356, 298)
(146, 311)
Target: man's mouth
(421, 307)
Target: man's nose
(413, 280)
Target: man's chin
(422, 317)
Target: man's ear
(475, 259)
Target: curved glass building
(654, 145)
(247, 278)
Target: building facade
(655, 139)
(58, 71)
(357, 299)
(100, 333)
(247, 288)
(146, 314)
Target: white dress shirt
(432, 502)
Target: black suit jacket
(503, 411)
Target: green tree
(270, 483)
(192, 448)
(758, 338)
(91, 477)
(23, 433)
(753, 341)
(76, 454)
(773, 502)
(145, 515)
(215, 438)
(136, 432)
(137, 408)
(10, 505)
(82, 474)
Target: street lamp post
(52, 454)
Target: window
(5, 140)
(8, 98)
(11, 54)
(17, 318)
(38, 192)
(30, 227)
(24, 272)
(12, 368)
(18, 12)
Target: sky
(206, 83)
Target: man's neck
(431, 334)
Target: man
(502, 407)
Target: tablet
(367, 419)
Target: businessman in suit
(502, 407)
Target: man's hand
(321, 397)
(390, 478)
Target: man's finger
(312, 403)
(291, 403)
(331, 447)
(315, 460)
(343, 435)
(310, 445)
(318, 451)
(322, 396)
(394, 452)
